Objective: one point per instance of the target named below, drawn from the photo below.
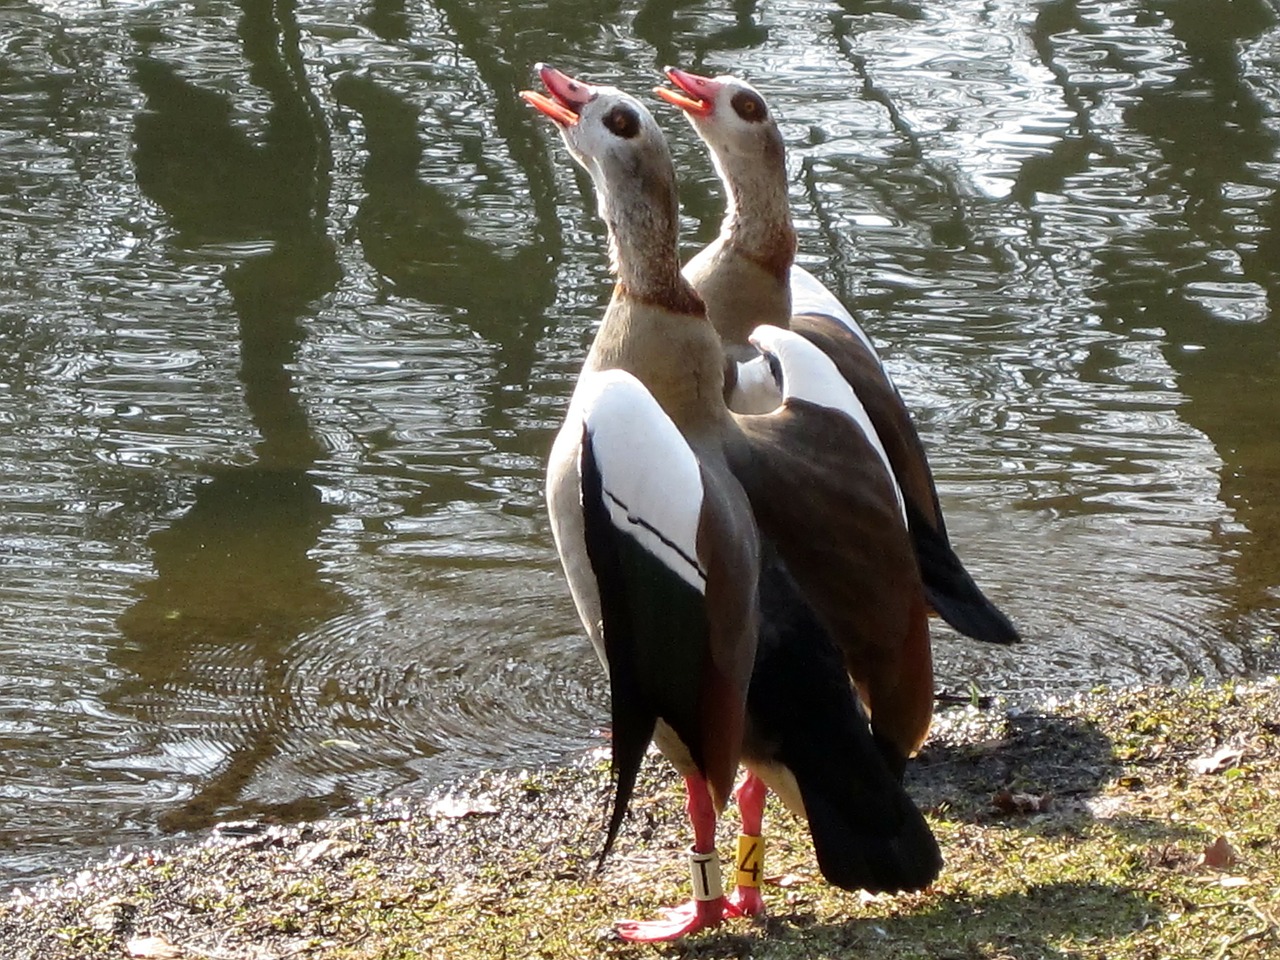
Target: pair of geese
(745, 514)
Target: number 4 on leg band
(750, 860)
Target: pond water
(293, 296)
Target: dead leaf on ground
(1106, 808)
(1008, 802)
(786, 880)
(1219, 855)
(455, 807)
(1228, 882)
(111, 915)
(330, 848)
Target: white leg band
(704, 870)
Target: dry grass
(1128, 826)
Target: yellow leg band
(704, 870)
(750, 860)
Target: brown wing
(889, 415)
(949, 588)
(820, 492)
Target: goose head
(617, 141)
(743, 274)
(733, 119)
(612, 136)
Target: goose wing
(812, 743)
(823, 321)
(664, 576)
(822, 492)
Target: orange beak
(567, 95)
(697, 95)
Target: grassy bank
(1128, 826)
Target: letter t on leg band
(704, 871)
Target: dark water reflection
(294, 296)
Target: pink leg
(706, 910)
(751, 794)
(746, 900)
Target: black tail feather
(854, 858)
(950, 589)
(805, 715)
(629, 746)
(632, 716)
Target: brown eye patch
(622, 122)
(748, 106)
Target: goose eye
(748, 106)
(622, 122)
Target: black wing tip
(867, 834)
(902, 877)
(974, 615)
(615, 825)
(950, 588)
(1008, 637)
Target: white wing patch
(809, 374)
(808, 295)
(652, 482)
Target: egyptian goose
(711, 645)
(747, 276)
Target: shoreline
(1111, 824)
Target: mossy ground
(1129, 826)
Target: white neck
(757, 216)
(642, 218)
